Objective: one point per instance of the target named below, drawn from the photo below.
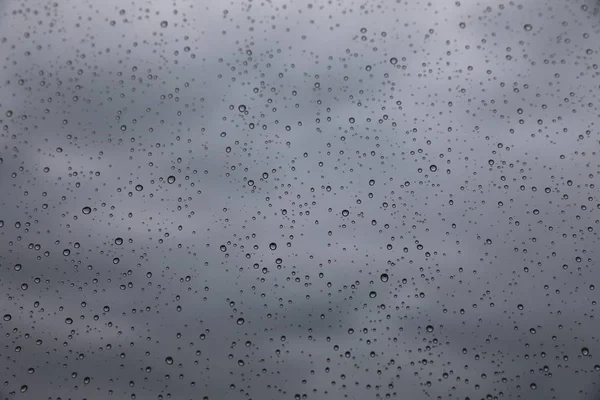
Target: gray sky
(449, 146)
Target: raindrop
(527, 27)
(164, 24)
(169, 360)
(240, 321)
(429, 328)
(433, 167)
(345, 213)
(384, 277)
(273, 246)
(7, 317)
(585, 351)
(171, 179)
(119, 241)
(373, 294)
(86, 210)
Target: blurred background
(296, 200)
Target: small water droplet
(585, 351)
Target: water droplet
(7, 317)
(169, 360)
(86, 210)
(164, 24)
(585, 351)
(384, 277)
(345, 213)
(373, 294)
(527, 27)
(139, 188)
(273, 246)
(393, 61)
(68, 321)
(223, 248)
(242, 108)
(533, 386)
(171, 179)
(116, 260)
(433, 167)
(119, 241)
(123, 128)
(429, 328)
(18, 267)
(240, 321)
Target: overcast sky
(263, 200)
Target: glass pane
(299, 200)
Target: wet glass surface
(296, 200)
